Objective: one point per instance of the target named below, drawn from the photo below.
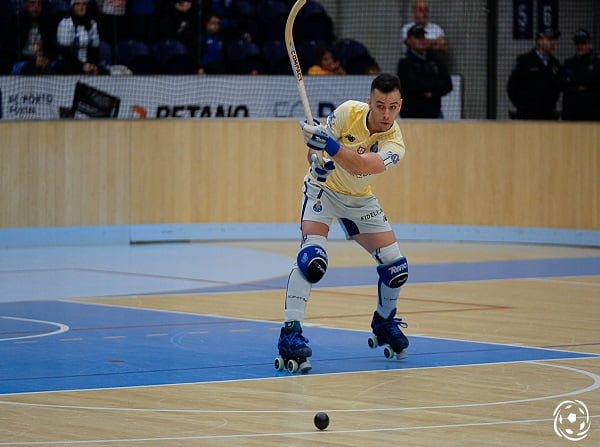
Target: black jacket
(419, 77)
(17, 33)
(580, 82)
(534, 88)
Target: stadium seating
(243, 57)
(307, 52)
(353, 55)
(136, 55)
(172, 57)
(272, 16)
(276, 57)
(313, 23)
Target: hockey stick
(291, 49)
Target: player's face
(384, 108)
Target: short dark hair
(386, 83)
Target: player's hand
(317, 138)
(318, 171)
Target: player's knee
(312, 261)
(394, 274)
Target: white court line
(302, 433)
(590, 388)
(565, 281)
(61, 328)
(594, 386)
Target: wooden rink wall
(114, 172)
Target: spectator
(580, 81)
(436, 38)
(31, 39)
(533, 86)
(180, 21)
(78, 43)
(112, 21)
(424, 78)
(326, 63)
(211, 47)
(226, 11)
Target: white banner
(183, 97)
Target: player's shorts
(356, 215)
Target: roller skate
(293, 349)
(387, 333)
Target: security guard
(580, 81)
(533, 86)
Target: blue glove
(317, 138)
(321, 172)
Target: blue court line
(108, 347)
(436, 273)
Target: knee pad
(394, 274)
(312, 259)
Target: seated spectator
(226, 11)
(211, 58)
(326, 63)
(78, 43)
(424, 78)
(580, 81)
(180, 21)
(31, 40)
(533, 85)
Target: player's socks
(296, 298)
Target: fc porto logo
(318, 207)
(360, 150)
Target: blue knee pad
(312, 262)
(394, 274)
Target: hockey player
(358, 141)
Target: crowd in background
(158, 36)
(95, 37)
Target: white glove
(317, 138)
(318, 171)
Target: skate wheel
(389, 352)
(292, 366)
(402, 354)
(304, 367)
(373, 342)
(279, 364)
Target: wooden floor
(500, 404)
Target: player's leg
(309, 268)
(375, 235)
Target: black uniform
(534, 88)
(580, 81)
(419, 76)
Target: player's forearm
(358, 164)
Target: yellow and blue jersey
(348, 125)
